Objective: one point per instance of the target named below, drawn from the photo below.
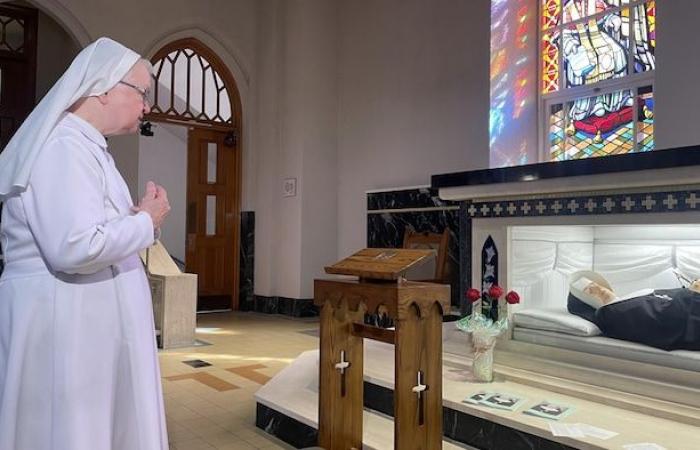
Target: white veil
(96, 69)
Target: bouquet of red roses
(490, 298)
(484, 314)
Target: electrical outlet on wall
(289, 187)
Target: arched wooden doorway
(194, 88)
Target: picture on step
(549, 410)
(503, 401)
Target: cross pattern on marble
(251, 373)
(208, 379)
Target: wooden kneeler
(416, 309)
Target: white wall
(296, 236)
(55, 51)
(413, 98)
(267, 183)
(676, 89)
(163, 158)
(514, 83)
(317, 88)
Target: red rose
(473, 295)
(512, 298)
(495, 292)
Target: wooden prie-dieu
(416, 309)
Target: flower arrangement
(483, 328)
(484, 316)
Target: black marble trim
(457, 426)
(465, 428)
(591, 204)
(406, 198)
(657, 159)
(285, 428)
(294, 307)
(246, 298)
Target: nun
(78, 362)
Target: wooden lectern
(416, 309)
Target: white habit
(78, 362)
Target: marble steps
(287, 408)
(665, 409)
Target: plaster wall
(413, 99)
(163, 159)
(55, 51)
(676, 92)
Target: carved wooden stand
(417, 312)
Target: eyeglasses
(144, 92)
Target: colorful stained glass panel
(556, 133)
(645, 37)
(551, 10)
(594, 126)
(579, 9)
(645, 119)
(596, 50)
(550, 64)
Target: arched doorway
(193, 88)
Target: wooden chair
(432, 241)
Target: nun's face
(128, 102)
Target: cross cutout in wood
(342, 366)
(418, 390)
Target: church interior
(351, 180)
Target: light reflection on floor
(213, 407)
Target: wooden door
(213, 217)
(18, 40)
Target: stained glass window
(556, 133)
(645, 119)
(645, 28)
(597, 63)
(602, 125)
(579, 9)
(551, 10)
(595, 50)
(550, 63)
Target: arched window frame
(631, 81)
(187, 117)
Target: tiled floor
(213, 407)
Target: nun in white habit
(78, 362)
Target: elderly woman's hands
(155, 203)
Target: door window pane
(211, 162)
(211, 215)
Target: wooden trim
(372, 332)
(218, 66)
(235, 125)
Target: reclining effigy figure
(668, 319)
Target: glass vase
(482, 364)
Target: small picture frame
(475, 399)
(289, 187)
(503, 401)
(549, 410)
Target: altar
(635, 219)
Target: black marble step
(457, 426)
(657, 159)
